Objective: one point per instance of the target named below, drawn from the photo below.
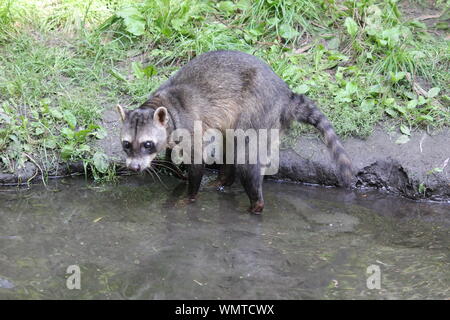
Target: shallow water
(136, 240)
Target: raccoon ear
(161, 116)
(123, 113)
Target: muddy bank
(31, 172)
(417, 169)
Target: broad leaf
(100, 161)
(433, 92)
(352, 27)
(70, 119)
(405, 130)
(287, 32)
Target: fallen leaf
(402, 139)
(431, 16)
(303, 49)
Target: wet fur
(231, 90)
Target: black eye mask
(149, 147)
(126, 145)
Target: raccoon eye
(149, 145)
(126, 144)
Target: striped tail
(304, 109)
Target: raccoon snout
(135, 167)
(139, 164)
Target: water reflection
(137, 240)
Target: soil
(427, 13)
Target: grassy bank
(63, 62)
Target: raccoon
(224, 90)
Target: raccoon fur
(224, 90)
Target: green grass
(63, 62)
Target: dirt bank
(417, 169)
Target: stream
(136, 239)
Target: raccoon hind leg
(251, 179)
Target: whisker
(157, 175)
(164, 161)
(175, 170)
(151, 174)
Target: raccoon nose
(135, 167)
